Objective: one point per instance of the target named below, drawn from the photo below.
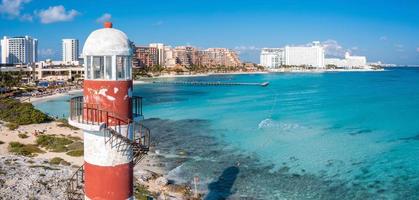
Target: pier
(218, 83)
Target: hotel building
(19, 50)
(310, 56)
(218, 57)
(348, 61)
(272, 57)
(70, 50)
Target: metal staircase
(114, 128)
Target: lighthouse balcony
(90, 117)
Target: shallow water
(306, 136)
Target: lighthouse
(110, 117)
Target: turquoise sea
(352, 135)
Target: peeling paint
(115, 90)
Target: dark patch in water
(221, 189)
(207, 157)
(361, 132)
(416, 137)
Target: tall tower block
(109, 116)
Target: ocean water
(352, 135)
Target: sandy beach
(50, 128)
(44, 98)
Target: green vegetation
(44, 167)
(64, 123)
(70, 144)
(24, 149)
(12, 126)
(19, 113)
(76, 153)
(55, 161)
(22, 135)
(157, 70)
(141, 192)
(10, 79)
(53, 143)
(58, 161)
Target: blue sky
(386, 30)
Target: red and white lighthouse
(109, 116)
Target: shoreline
(53, 96)
(173, 76)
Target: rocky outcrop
(29, 178)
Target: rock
(162, 181)
(145, 175)
(32, 180)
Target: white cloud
(46, 52)
(158, 23)
(56, 14)
(399, 47)
(26, 17)
(333, 49)
(247, 49)
(12, 8)
(105, 17)
(383, 38)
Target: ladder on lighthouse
(91, 114)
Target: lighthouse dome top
(106, 42)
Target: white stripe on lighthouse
(100, 150)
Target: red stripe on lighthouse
(108, 182)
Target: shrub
(75, 146)
(141, 192)
(64, 123)
(53, 143)
(76, 153)
(19, 113)
(12, 126)
(24, 149)
(22, 135)
(55, 161)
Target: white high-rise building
(19, 50)
(70, 50)
(170, 58)
(349, 61)
(272, 57)
(160, 53)
(308, 56)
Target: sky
(382, 30)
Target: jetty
(218, 83)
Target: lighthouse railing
(86, 113)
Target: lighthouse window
(98, 67)
(108, 67)
(120, 67)
(88, 67)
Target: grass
(44, 167)
(53, 143)
(141, 192)
(55, 161)
(18, 113)
(12, 126)
(76, 153)
(22, 135)
(29, 150)
(64, 123)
